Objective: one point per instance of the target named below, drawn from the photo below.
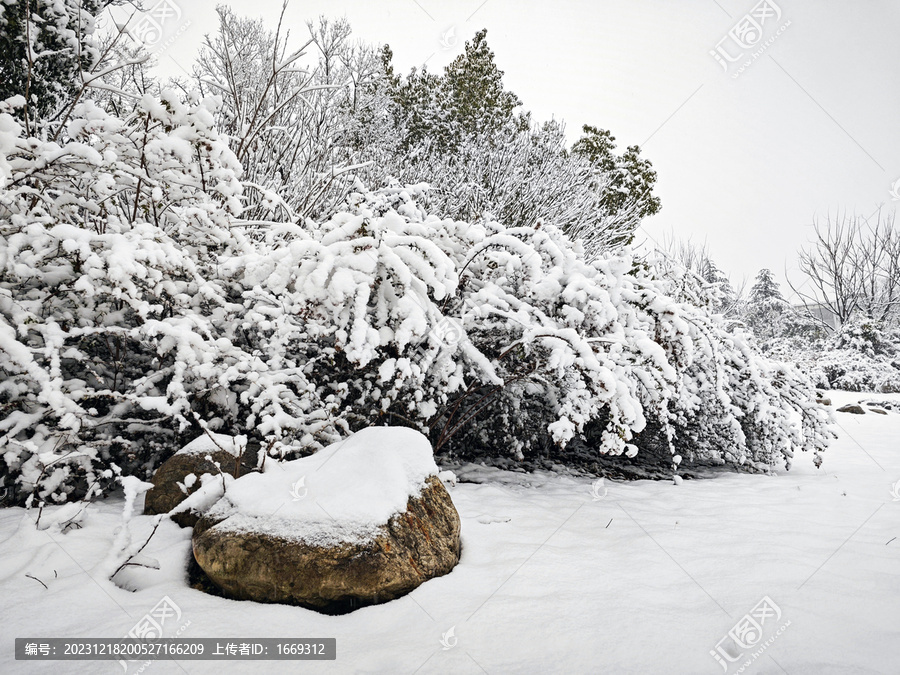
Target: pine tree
(632, 177)
(765, 288)
(766, 308)
(44, 47)
(468, 99)
(723, 291)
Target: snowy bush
(136, 309)
(107, 241)
(147, 295)
(861, 356)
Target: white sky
(744, 163)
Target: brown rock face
(166, 495)
(414, 546)
(852, 408)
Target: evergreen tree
(464, 125)
(765, 288)
(467, 100)
(723, 291)
(44, 47)
(766, 309)
(632, 177)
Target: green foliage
(463, 133)
(44, 46)
(467, 99)
(632, 176)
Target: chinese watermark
(895, 191)
(598, 490)
(150, 626)
(448, 38)
(157, 28)
(747, 634)
(298, 489)
(747, 34)
(448, 333)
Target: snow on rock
(342, 493)
(211, 442)
(214, 458)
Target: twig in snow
(37, 580)
(132, 556)
(134, 564)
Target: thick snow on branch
(137, 308)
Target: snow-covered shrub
(851, 370)
(107, 240)
(869, 337)
(136, 308)
(731, 403)
(863, 355)
(502, 341)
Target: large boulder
(853, 408)
(179, 476)
(361, 522)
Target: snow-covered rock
(181, 476)
(360, 522)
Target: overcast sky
(746, 159)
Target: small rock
(823, 401)
(166, 493)
(878, 410)
(448, 478)
(853, 408)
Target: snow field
(554, 578)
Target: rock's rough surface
(362, 521)
(414, 546)
(166, 493)
(852, 408)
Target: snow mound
(212, 442)
(343, 493)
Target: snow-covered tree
(44, 47)
(466, 135)
(631, 177)
(150, 292)
(853, 268)
(286, 110)
(469, 98)
(766, 310)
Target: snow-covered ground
(558, 575)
